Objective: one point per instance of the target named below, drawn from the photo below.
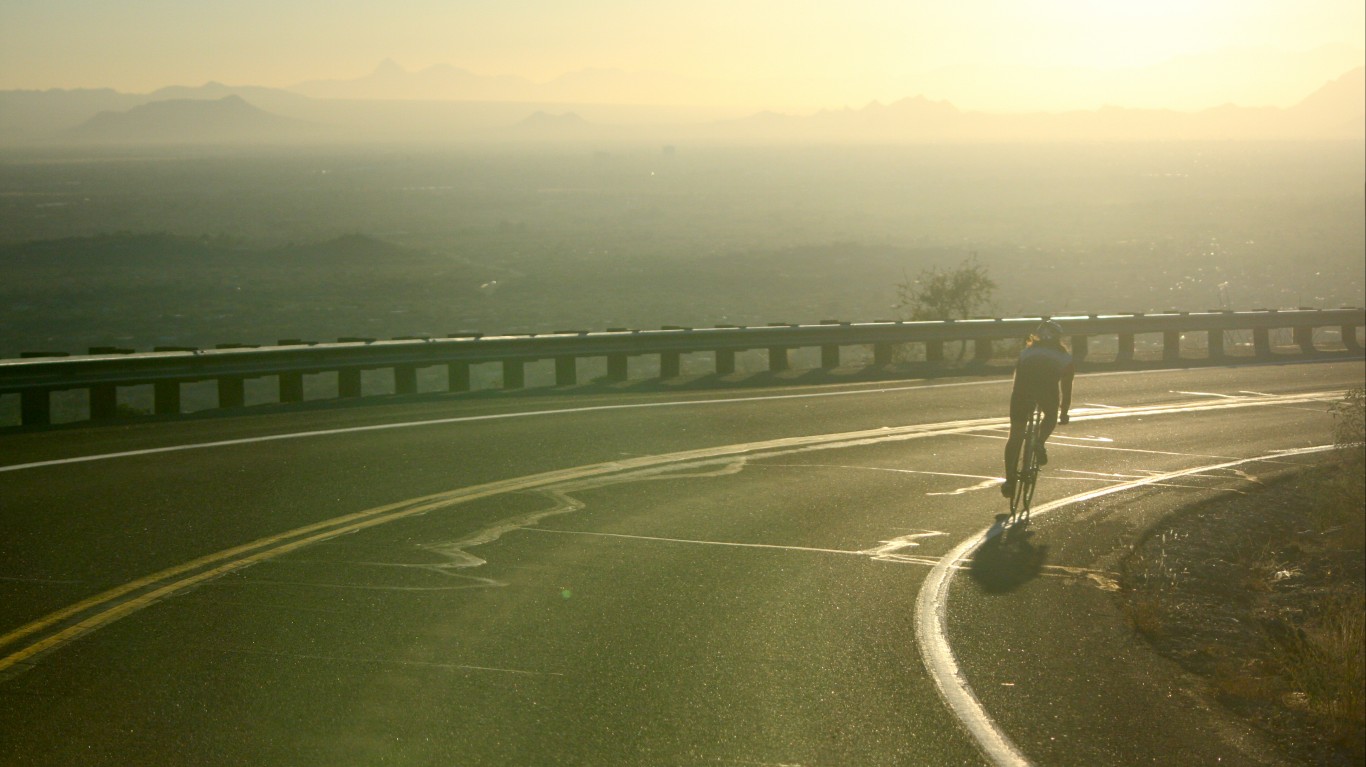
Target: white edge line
(472, 418)
(931, 607)
(565, 411)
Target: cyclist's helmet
(1048, 330)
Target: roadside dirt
(1260, 595)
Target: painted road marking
(931, 609)
(728, 544)
(81, 618)
(474, 418)
(566, 411)
(90, 614)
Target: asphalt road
(800, 576)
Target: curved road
(779, 577)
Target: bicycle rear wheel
(1027, 468)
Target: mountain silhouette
(1341, 104)
(482, 108)
(41, 113)
(1336, 111)
(440, 82)
(175, 121)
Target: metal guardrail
(102, 374)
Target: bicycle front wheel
(1027, 468)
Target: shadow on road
(1008, 559)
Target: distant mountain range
(228, 120)
(1335, 111)
(443, 82)
(329, 111)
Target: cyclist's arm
(1065, 384)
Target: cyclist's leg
(1049, 406)
(1021, 408)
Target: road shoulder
(1259, 597)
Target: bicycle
(1027, 469)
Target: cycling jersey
(1041, 374)
(1041, 367)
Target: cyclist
(1043, 376)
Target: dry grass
(1321, 660)
(1264, 595)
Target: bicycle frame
(1027, 469)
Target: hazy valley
(138, 249)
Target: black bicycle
(1026, 469)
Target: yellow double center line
(69, 623)
(76, 620)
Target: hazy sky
(1004, 54)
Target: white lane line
(1102, 474)
(931, 619)
(891, 551)
(888, 551)
(986, 481)
(766, 464)
(695, 542)
(1096, 447)
(589, 409)
(993, 482)
(475, 418)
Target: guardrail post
(1125, 352)
(883, 353)
(1349, 338)
(458, 376)
(830, 356)
(166, 397)
(1079, 350)
(1215, 343)
(405, 379)
(514, 374)
(1171, 345)
(231, 392)
(777, 355)
(1261, 342)
(104, 402)
(830, 353)
(777, 358)
(1304, 338)
(670, 364)
(291, 387)
(934, 351)
(348, 383)
(35, 407)
(566, 371)
(725, 362)
(104, 398)
(616, 367)
(981, 350)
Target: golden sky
(1006, 55)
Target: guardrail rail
(35, 377)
